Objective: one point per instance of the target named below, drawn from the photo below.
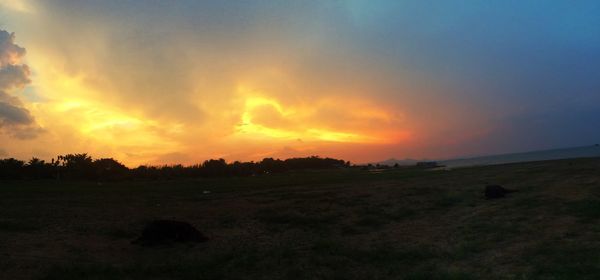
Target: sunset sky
(158, 82)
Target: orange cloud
(344, 121)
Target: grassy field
(341, 224)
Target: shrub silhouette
(109, 169)
(84, 167)
(11, 168)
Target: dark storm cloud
(14, 76)
(11, 115)
(15, 119)
(10, 53)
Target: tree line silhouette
(84, 167)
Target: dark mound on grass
(496, 191)
(165, 232)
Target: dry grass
(343, 224)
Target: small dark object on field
(496, 191)
(161, 232)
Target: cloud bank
(15, 119)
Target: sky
(163, 82)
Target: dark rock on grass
(165, 232)
(496, 191)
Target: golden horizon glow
(75, 111)
(133, 139)
(110, 99)
(302, 129)
(136, 139)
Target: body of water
(578, 152)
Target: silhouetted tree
(83, 167)
(39, 169)
(243, 168)
(270, 165)
(215, 168)
(76, 166)
(11, 168)
(108, 169)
